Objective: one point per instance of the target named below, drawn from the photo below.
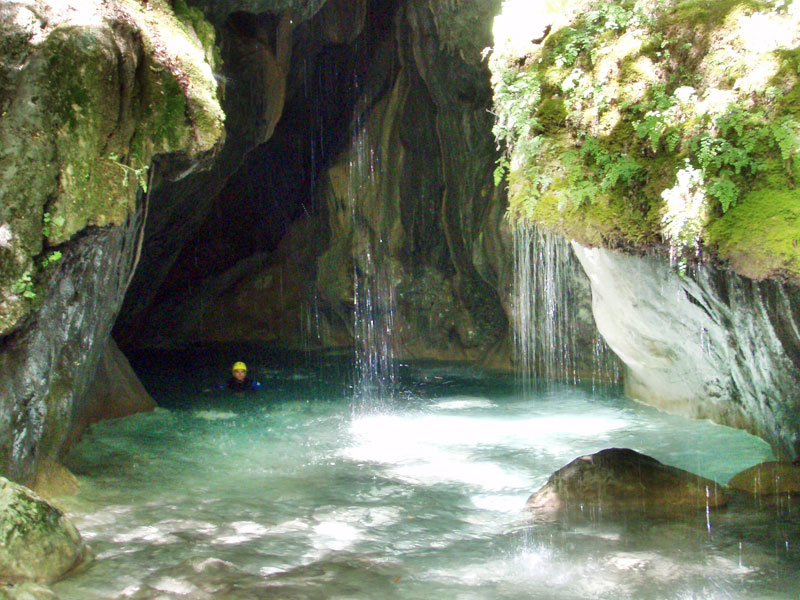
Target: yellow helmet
(239, 366)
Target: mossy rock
(759, 237)
(86, 104)
(607, 117)
(37, 542)
(81, 94)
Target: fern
(706, 150)
(651, 127)
(724, 190)
(785, 132)
(501, 170)
(620, 169)
(672, 139)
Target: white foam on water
(214, 415)
(463, 404)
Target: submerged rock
(38, 543)
(200, 579)
(768, 479)
(623, 480)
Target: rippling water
(286, 493)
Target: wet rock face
(714, 345)
(620, 480)
(403, 196)
(48, 364)
(89, 93)
(408, 204)
(256, 52)
(39, 543)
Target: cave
(448, 246)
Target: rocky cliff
(402, 209)
(663, 139)
(89, 94)
(358, 172)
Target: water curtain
(555, 339)
(544, 308)
(373, 292)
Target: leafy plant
(612, 138)
(24, 286)
(741, 149)
(139, 173)
(51, 258)
(48, 221)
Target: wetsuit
(242, 386)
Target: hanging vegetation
(656, 123)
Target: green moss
(602, 118)
(786, 82)
(551, 114)
(761, 235)
(98, 179)
(606, 221)
(163, 124)
(71, 53)
(82, 102)
(707, 14)
(193, 18)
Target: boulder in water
(768, 479)
(37, 542)
(621, 480)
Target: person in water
(239, 381)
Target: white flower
(686, 209)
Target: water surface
(288, 492)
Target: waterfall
(554, 336)
(310, 333)
(542, 306)
(373, 292)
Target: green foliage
(517, 98)
(593, 170)
(599, 126)
(48, 221)
(139, 173)
(741, 150)
(501, 170)
(526, 112)
(51, 258)
(24, 286)
(605, 16)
